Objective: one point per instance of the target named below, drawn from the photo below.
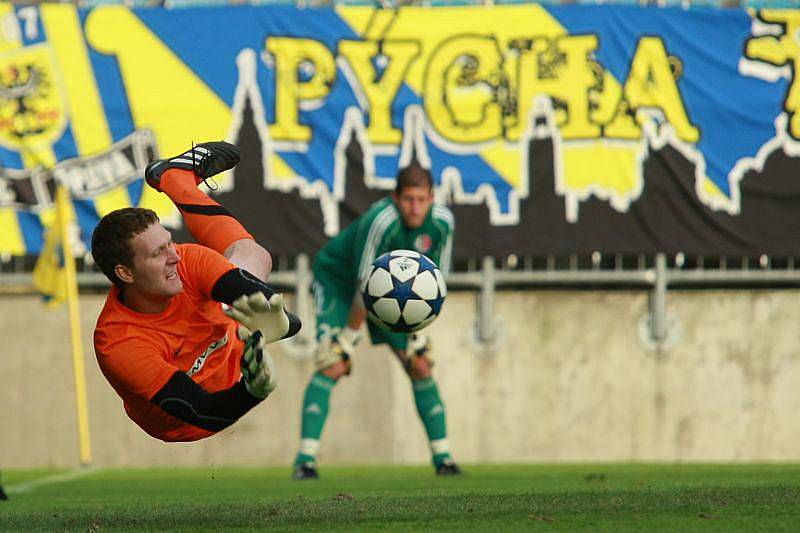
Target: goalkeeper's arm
(358, 312)
(213, 411)
(342, 345)
(237, 287)
(184, 399)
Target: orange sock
(209, 223)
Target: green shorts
(332, 301)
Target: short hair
(414, 175)
(111, 240)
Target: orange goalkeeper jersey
(138, 353)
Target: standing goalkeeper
(184, 367)
(408, 219)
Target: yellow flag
(50, 272)
(54, 276)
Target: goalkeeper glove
(256, 313)
(418, 345)
(258, 372)
(340, 347)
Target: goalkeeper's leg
(332, 309)
(208, 222)
(315, 411)
(430, 409)
(316, 403)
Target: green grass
(489, 498)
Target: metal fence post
(658, 329)
(658, 301)
(486, 305)
(301, 346)
(486, 333)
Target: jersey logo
(200, 361)
(423, 243)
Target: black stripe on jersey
(184, 399)
(210, 210)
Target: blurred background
(623, 176)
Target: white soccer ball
(404, 291)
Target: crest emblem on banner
(32, 103)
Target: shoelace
(202, 166)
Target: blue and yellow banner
(547, 129)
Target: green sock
(315, 411)
(431, 411)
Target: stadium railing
(595, 270)
(654, 273)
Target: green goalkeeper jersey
(348, 256)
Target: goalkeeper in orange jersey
(184, 365)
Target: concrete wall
(571, 381)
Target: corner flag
(54, 276)
(50, 272)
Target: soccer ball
(404, 291)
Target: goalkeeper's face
(414, 203)
(155, 263)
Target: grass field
(488, 498)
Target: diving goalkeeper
(185, 366)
